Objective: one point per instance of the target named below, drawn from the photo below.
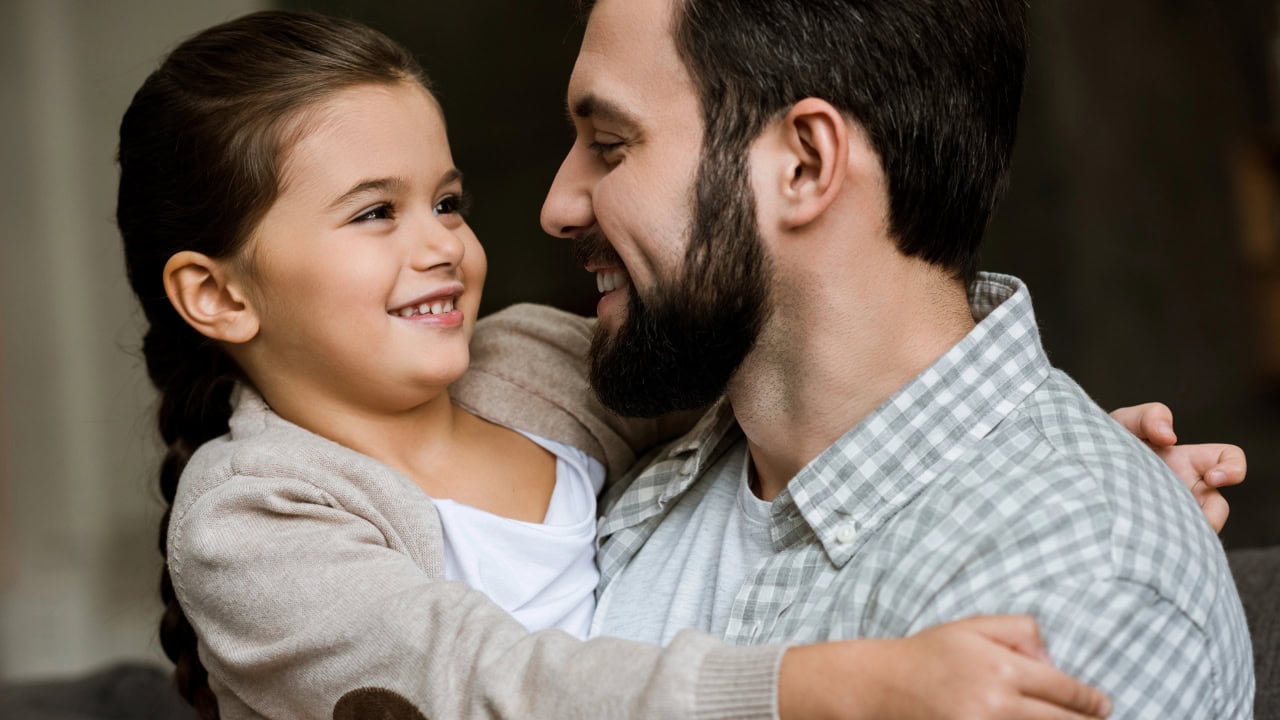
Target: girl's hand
(1202, 468)
(977, 669)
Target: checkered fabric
(989, 484)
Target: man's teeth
(433, 308)
(610, 280)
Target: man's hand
(1203, 468)
(981, 668)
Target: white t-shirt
(690, 570)
(545, 573)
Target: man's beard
(679, 347)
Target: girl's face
(365, 276)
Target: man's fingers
(1151, 422)
(1228, 468)
(1045, 683)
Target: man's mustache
(592, 248)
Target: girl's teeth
(437, 308)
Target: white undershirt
(545, 573)
(690, 571)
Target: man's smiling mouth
(610, 279)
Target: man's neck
(816, 373)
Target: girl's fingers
(1150, 422)
(1032, 709)
(1044, 683)
(1228, 468)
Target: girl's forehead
(380, 130)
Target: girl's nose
(436, 246)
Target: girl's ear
(204, 292)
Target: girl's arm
(307, 605)
(302, 599)
(529, 371)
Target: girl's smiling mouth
(437, 308)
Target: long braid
(201, 147)
(195, 384)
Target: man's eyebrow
(593, 107)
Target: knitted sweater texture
(313, 574)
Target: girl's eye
(453, 205)
(384, 211)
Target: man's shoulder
(1060, 439)
(1075, 448)
(1059, 512)
(1063, 480)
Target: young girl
(340, 528)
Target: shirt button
(846, 533)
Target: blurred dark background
(1144, 213)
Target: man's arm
(1147, 654)
(1131, 594)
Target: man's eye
(453, 205)
(604, 149)
(383, 211)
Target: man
(783, 202)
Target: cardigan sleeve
(306, 608)
(529, 371)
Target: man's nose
(567, 211)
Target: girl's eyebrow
(388, 185)
(454, 175)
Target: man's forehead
(614, 22)
(627, 55)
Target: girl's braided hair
(201, 150)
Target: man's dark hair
(935, 84)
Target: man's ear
(815, 142)
(204, 292)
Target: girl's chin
(444, 372)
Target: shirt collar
(884, 461)
(672, 473)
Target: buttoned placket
(778, 581)
(626, 527)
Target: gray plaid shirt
(989, 484)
